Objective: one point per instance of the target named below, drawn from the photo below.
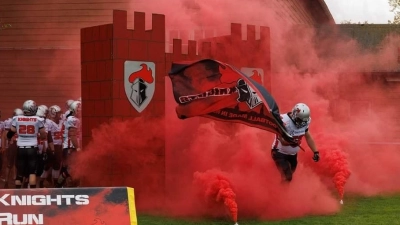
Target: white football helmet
(300, 115)
(18, 112)
(29, 108)
(68, 103)
(75, 107)
(54, 110)
(42, 111)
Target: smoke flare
(216, 188)
(334, 162)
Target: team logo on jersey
(139, 82)
(257, 74)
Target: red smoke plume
(354, 121)
(351, 113)
(126, 153)
(216, 189)
(334, 163)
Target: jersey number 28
(26, 129)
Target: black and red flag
(219, 91)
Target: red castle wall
(104, 51)
(105, 48)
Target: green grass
(356, 210)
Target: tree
(350, 22)
(395, 8)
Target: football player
(71, 143)
(283, 153)
(67, 109)
(27, 127)
(42, 112)
(53, 160)
(10, 147)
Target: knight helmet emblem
(139, 82)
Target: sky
(373, 11)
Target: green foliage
(350, 22)
(395, 8)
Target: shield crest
(139, 83)
(257, 74)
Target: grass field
(356, 210)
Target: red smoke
(214, 188)
(125, 153)
(352, 116)
(333, 165)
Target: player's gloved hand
(316, 156)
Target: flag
(219, 91)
